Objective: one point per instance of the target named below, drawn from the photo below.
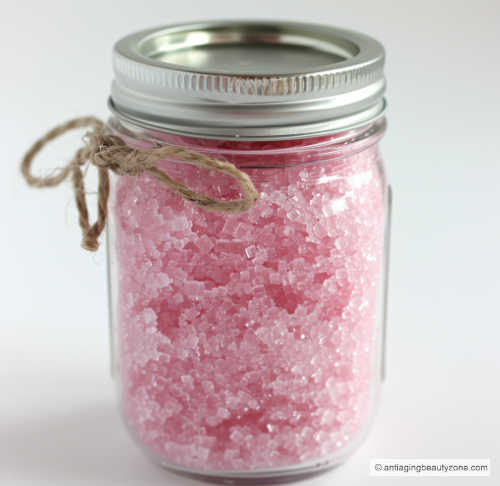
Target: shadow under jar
(248, 347)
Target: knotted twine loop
(109, 152)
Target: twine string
(109, 152)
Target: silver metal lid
(250, 80)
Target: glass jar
(249, 346)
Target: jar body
(249, 345)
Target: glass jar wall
(249, 345)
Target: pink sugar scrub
(249, 341)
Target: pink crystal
(247, 341)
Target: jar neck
(255, 153)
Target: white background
(441, 399)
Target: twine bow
(109, 152)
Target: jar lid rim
(248, 79)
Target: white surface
(58, 421)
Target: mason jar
(248, 346)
